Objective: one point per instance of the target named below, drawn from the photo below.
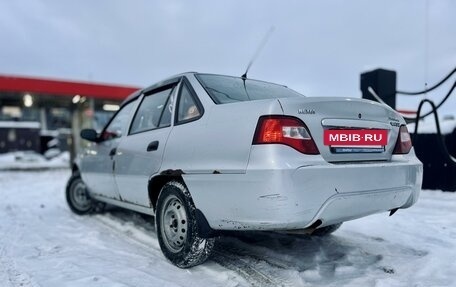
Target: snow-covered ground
(43, 244)
(29, 160)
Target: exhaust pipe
(308, 230)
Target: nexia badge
(306, 112)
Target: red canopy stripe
(64, 87)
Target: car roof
(173, 79)
(161, 83)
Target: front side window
(119, 124)
(226, 89)
(154, 112)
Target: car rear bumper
(283, 197)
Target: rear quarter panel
(219, 141)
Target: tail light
(285, 130)
(404, 142)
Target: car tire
(326, 230)
(78, 197)
(177, 228)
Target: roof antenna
(257, 52)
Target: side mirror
(89, 134)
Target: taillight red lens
(285, 130)
(404, 142)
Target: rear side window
(154, 112)
(226, 89)
(188, 108)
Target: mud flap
(204, 230)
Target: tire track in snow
(134, 232)
(130, 231)
(245, 267)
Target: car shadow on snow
(312, 258)
(291, 259)
(337, 259)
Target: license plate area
(356, 140)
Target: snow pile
(29, 160)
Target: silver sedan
(205, 153)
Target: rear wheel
(177, 227)
(78, 197)
(326, 230)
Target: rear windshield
(226, 89)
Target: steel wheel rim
(174, 222)
(80, 197)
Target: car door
(140, 154)
(98, 163)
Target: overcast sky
(318, 48)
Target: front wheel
(177, 230)
(78, 197)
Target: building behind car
(40, 114)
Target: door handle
(152, 146)
(112, 152)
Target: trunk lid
(325, 113)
